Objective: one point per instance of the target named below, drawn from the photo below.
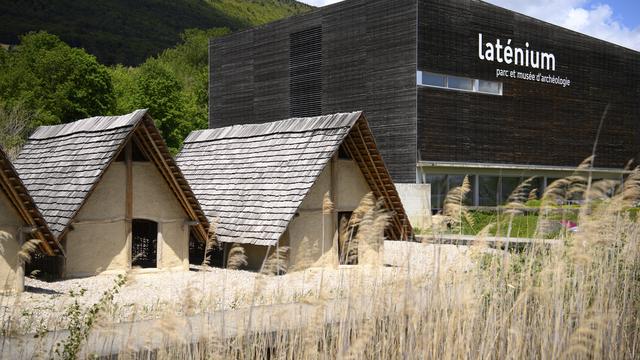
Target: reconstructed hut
(111, 194)
(265, 184)
(20, 221)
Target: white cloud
(320, 2)
(598, 20)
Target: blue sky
(627, 11)
(617, 21)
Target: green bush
(521, 226)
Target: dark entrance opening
(347, 247)
(44, 267)
(144, 243)
(214, 256)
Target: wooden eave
(361, 146)
(18, 195)
(148, 138)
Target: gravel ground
(145, 296)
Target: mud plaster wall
(99, 241)
(10, 224)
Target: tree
(14, 126)
(160, 92)
(58, 82)
(173, 86)
(189, 63)
(123, 79)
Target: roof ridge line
(134, 118)
(261, 135)
(283, 126)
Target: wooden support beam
(128, 211)
(349, 143)
(147, 137)
(389, 187)
(27, 213)
(362, 143)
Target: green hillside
(128, 32)
(258, 12)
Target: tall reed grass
(577, 299)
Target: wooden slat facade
(532, 123)
(368, 63)
(371, 50)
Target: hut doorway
(213, 257)
(347, 247)
(144, 243)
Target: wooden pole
(128, 212)
(20, 267)
(333, 215)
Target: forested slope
(128, 32)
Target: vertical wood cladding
(371, 51)
(368, 63)
(305, 73)
(533, 122)
(231, 74)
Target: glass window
(460, 83)
(442, 184)
(488, 190)
(433, 79)
(456, 180)
(490, 87)
(537, 187)
(438, 189)
(508, 185)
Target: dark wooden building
(450, 87)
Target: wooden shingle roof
(253, 178)
(15, 190)
(62, 164)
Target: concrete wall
(305, 233)
(99, 241)
(416, 199)
(10, 225)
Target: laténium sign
(505, 53)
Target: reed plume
(27, 249)
(351, 247)
(211, 243)
(277, 262)
(237, 257)
(630, 191)
(453, 210)
(518, 197)
(327, 204)
(370, 236)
